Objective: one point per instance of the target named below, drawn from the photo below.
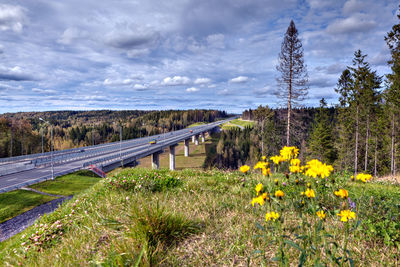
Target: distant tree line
(21, 133)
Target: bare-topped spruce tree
(293, 78)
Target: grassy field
(204, 218)
(69, 184)
(16, 202)
(243, 123)
(196, 124)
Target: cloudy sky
(177, 54)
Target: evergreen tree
(392, 93)
(293, 73)
(321, 138)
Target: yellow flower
(316, 168)
(264, 158)
(342, 193)
(308, 185)
(310, 193)
(295, 162)
(321, 214)
(266, 171)
(347, 215)
(271, 216)
(244, 168)
(265, 196)
(364, 177)
(277, 159)
(260, 200)
(276, 181)
(295, 169)
(279, 194)
(289, 152)
(260, 165)
(352, 178)
(259, 187)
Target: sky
(178, 54)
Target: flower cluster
(289, 152)
(316, 168)
(264, 166)
(363, 177)
(277, 159)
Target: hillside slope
(201, 218)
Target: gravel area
(26, 219)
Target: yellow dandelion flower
(295, 162)
(259, 187)
(295, 169)
(271, 216)
(244, 168)
(347, 215)
(321, 214)
(342, 193)
(260, 165)
(260, 200)
(289, 152)
(279, 194)
(310, 193)
(364, 177)
(266, 171)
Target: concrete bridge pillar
(203, 137)
(196, 140)
(172, 157)
(155, 160)
(193, 138)
(187, 147)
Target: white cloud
(353, 24)
(110, 82)
(11, 17)
(176, 80)
(192, 89)
(202, 81)
(239, 79)
(139, 87)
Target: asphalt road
(69, 162)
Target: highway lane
(132, 147)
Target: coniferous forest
(21, 133)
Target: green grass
(69, 184)
(196, 124)
(243, 123)
(206, 220)
(16, 202)
(228, 126)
